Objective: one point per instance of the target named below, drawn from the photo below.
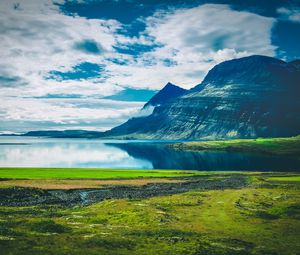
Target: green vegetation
(48, 226)
(262, 218)
(285, 178)
(88, 173)
(280, 146)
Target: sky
(93, 64)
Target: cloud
(144, 112)
(37, 39)
(46, 52)
(188, 42)
(291, 14)
(7, 81)
(210, 33)
(65, 113)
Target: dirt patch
(19, 196)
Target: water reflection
(43, 152)
(163, 157)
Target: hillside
(250, 97)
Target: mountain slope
(250, 97)
(134, 126)
(167, 93)
(295, 63)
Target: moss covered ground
(261, 218)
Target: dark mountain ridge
(167, 93)
(250, 97)
(64, 133)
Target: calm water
(44, 152)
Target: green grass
(280, 146)
(254, 220)
(285, 178)
(88, 173)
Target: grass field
(252, 220)
(262, 218)
(79, 178)
(285, 178)
(279, 146)
(87, 173)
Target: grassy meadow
(88, 173)
(262, 217)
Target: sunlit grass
(280, 146)
(87, 173)
(285, 178)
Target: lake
(135, 154)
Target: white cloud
(194, 40)
(144, 112)
(36, 38)
(67, 112)
(291, 14)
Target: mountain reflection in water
(163, 157)
(130, 154)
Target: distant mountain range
(65, 133)
(250, 97)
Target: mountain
(295, 63)
(167, 93)
(65, 133)
(255, 96)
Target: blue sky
(93, 64)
